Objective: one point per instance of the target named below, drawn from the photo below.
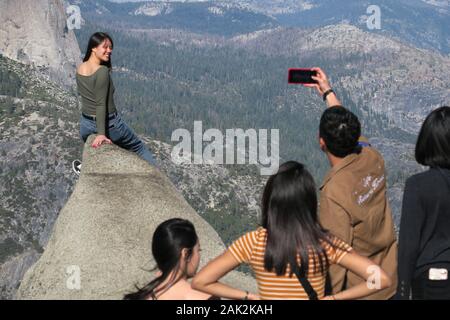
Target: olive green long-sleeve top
(97, 96)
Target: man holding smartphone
(353, 202)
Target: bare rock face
(101, 242)
(13, 271)
(35, 32)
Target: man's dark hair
(433, 143)
(340, 129)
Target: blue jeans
(120, 134)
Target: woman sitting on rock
(176, 250)
(99, 114)
(291, 253)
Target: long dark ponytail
(169, 239)
(289, 213)
(94, 41)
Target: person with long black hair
(176, 250)
(290, 253)
(99, 114)
(424, 240)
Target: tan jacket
(354, 207)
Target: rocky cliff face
(104, 231)
(35, 32)
(38, 141)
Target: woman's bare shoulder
(82, 68)
(183, 291)
(86, 69)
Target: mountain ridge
(420, 22)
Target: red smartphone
(301, 76)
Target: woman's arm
(101, 91)
(207, 280)
(376, 278)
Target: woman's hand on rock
(99, 140)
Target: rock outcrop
(101, 242)
(36, 32)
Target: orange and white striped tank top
(250, 249)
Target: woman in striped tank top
(290, 251)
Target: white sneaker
(76, 166)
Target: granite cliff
(36, 32)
